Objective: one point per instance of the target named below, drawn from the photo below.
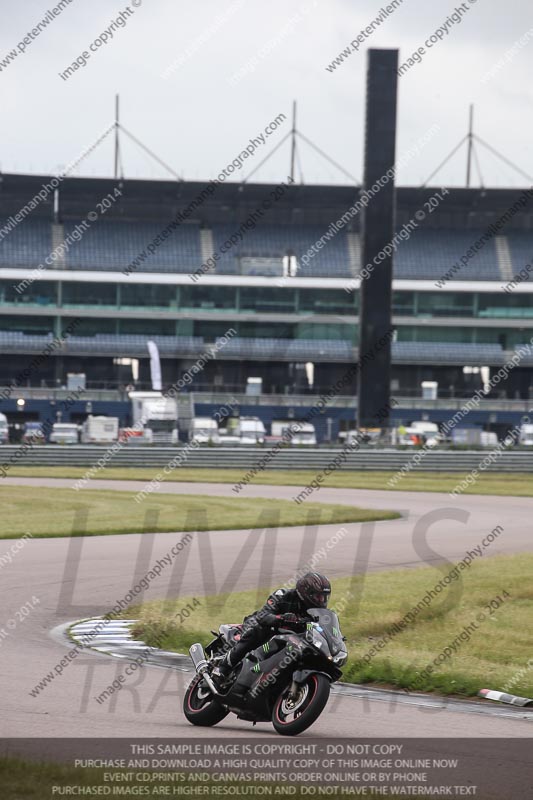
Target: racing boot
(223, 670)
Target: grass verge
(517, 484)
(28, 780)
(495, 655)
(56, 512)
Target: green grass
(61, 512)
(490, 659)
(30, 780)
(517, 484)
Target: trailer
(99, 430)
(293, 432)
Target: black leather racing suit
(257, 627)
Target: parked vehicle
(286, 681)
(427, 430)
(251, 430)
(489, 439)
(305, 435)
(363, 437)
(64, 433)
(526, 435)
(134, 436)
(4, 430)
(420, 432)
(99, 430)
(204, 430)
(228, 438)
(33, 433)
(157, 414)
(474, 436)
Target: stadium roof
(231, 202)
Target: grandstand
(443, 332)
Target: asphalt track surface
(84, 577)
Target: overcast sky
(197, 119)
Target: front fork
(294, 689)
(300, 677)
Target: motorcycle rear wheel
(199, 705)
(291, 717)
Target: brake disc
(289, 706)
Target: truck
(4, 430)
(99, 430)
(157, 415)
(204, 430)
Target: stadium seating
(526, 356)
(521, 249)
(428, 255)
(295, 350)
(27, 244)
(448, 353)
(102, 343)
(300, 350)
(333, 260)
(114, 245)
(134, 345)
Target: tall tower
(375, 315)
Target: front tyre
(199, 705)
(291, 717)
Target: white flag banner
(155, 366)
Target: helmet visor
(320, 599)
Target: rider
(284, 608)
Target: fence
(244, 458)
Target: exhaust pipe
(197, 654)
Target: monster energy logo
(257, 668)
(266, 647)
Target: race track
(83, 577)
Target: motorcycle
(285, 681)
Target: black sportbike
(286, 681)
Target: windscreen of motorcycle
(329, 628)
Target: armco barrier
(245, 458)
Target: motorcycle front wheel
(292, 716)
(199, 705)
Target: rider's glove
(270, 620)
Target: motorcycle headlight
(341, 658)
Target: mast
(117, 143)
(470, 139)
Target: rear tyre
(199, 705)
(291, 717)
